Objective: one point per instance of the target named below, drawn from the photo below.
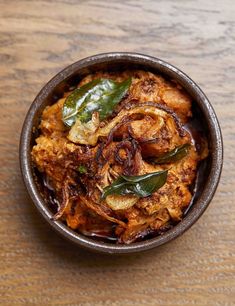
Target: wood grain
(38, 39)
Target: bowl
(209, 173)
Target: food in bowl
(118, 155)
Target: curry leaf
(142, 185)
(99, 95)
(75, 100)
(172, 156)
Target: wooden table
(38, 39)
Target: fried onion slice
(101, 210)
(89, 133)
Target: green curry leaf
(99, 95)
(141, 186)
(172, 156)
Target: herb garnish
(172, 156)
(99, 95)
(141, 185)
(82, 169)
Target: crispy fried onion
(69, 192)
(126, 154)
(88, 133)
(101, 210)
(65, 201)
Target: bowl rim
(207, 193)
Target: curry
(117, 157)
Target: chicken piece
(51, 123)
(88, 222)
(53, 153)
(140, 225)
(177, 100)
(155, 138)
(174, 195)
(151, 87)
(76, 216)
(51, 157)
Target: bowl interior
(205, 121)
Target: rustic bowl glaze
(209, 176)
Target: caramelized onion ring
(100, 210)
(162, 107)
(88, 133)
(65, 202)
(129, 163)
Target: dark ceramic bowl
(209, 174)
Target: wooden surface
(38, 39)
